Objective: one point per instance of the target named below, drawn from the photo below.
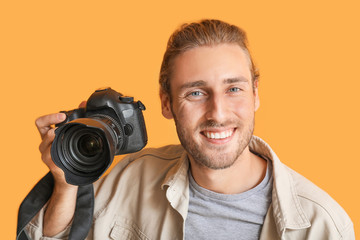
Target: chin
(215, 161)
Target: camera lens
(82, 150)
(85, 148)
(89, 145)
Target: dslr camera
(87, 141)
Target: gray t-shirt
(213, 215)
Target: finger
(82, 104)
(46, 158)
(55, 170)
(44, 123)
(47, 140)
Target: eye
(234, 89)
(196, 93)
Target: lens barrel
(85, 147)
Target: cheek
(244, 109)
(188, 115)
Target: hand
(61, 207)
(47, 132)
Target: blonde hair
(208, 32)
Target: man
(221, 183)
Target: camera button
(141, 105)
(126, 99)
(102, 89)
(128, 129)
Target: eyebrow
(199, 83)
(235, 80)
(202, 83)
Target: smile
(218, 135)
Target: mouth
(218, 135)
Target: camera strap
(40, 195)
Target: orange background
(54, 54)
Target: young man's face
(213, 104)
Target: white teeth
(218, 135)
(223, 135)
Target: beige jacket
(146, 197)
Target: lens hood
(84, 148)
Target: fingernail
(61, 116)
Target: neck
(247, 172)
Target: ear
(256, 95)
(166, 105)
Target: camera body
(89, 138)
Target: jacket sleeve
(349, 233)
(31, 212)
(34, 229)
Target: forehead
(211, 64)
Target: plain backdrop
(54, 54)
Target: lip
(218, 136)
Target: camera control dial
(126, 99)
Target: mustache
(214, 124)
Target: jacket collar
(288, 213)
(176, 185)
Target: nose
(216, 108)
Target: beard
(210, 155)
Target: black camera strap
(40, 195)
